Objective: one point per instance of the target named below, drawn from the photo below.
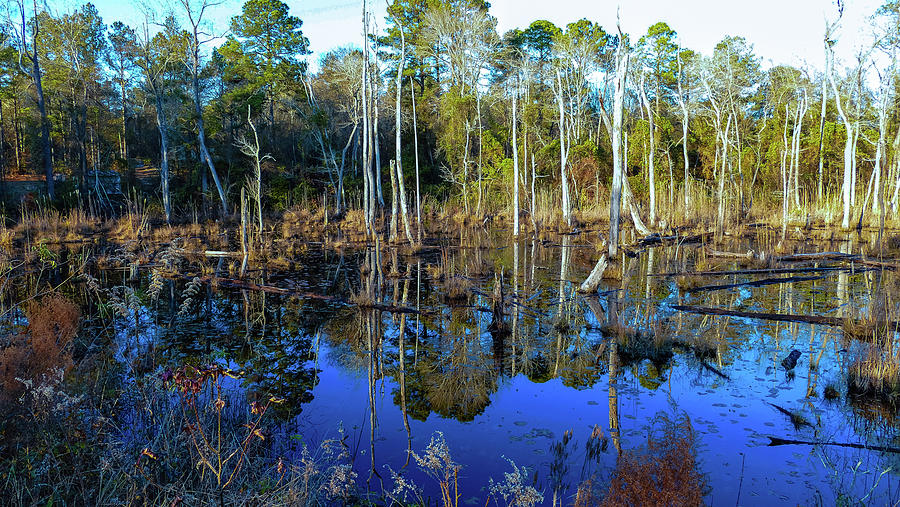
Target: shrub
(43, 350)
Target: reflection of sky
(732, 421)
(732, 418)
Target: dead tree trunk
(651, 154)
(515, 148)
(615, 202)
(564, 180)
(412, 94)
(398, 124)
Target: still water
(383, 349)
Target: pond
(487, 342)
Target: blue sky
(782, 31)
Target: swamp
(468, 368)
(449, 253)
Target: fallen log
(593, 280)
(755, 271)
(390, 309)
(212, 253)
(658, 239)
(748, 255)
(890, 265)
(826, 256)
(773, 441)
(232, 283)
(781, 317)
(714, 369)
(756, 283)
(796, 419)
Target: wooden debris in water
(592, 282)
(781, 317)
(773, 441)
(797, 418)
(757, 283)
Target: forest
(405, 270)
(533, 120)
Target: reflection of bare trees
(401, 339)
(464, 384)
(612, 319)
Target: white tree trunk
(163, 156)
(412, 93)
(785, 178)
(848, 149)
(515, 148)
(684, 139)
(398, 124)
(564, 180)
(615, 202)
(652, 152)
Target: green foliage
(283, 191)
(270, 42)
(107, 88)
(658, 50)
(538, 38)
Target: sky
(781, 31)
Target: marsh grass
(653, 343)
(831, 392)
(875, 368)
(457, 289)
(875, 373)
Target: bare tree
(652, 152)
(820, 179)
(615, 201)
(563, 153)
(515, 148)
(194, 10)
(348, 105)
(722, 128)
(682, 103)
(368, 184)
(250, 148)
(154, 62)
(851, 134)
(397, 127)
(412, 93)
(26, 27)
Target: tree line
(431, 106)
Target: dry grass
(457, 289)
(636, 345)
(875, 374)
(584, 497)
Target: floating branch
(781, 317)
(773, 441)
(757, 283)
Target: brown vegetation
(43, 347)
(666, 474)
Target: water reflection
(493, 347)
